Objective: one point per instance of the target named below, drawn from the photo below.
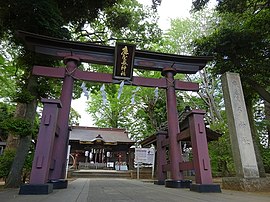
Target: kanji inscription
(124, 58)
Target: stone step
(100, 174)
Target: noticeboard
(144, 155)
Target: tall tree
(142, 31)
(180, 39)
(240, 43)
(139, 110)
(53, 18)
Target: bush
(27, 167)
(6, 162)
(265, 153)
(18, 126)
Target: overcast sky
(170, 9)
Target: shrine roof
(91, 134)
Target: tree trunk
(267, 117)
(13, 140)
(255, 137)
(208, 96)
(14, 177)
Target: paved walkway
(121, 190)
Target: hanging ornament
(83, 85)
(103, 94)
(86, 94)
(156, 94)
(120, 89)
(85, 91)
(133, 95)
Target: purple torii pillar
(58, 167)
(201, 160)
(42, 160)
(177, 179)
(193, 128)
(161, 158)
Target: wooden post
(175, 151)
(43, 154)
(161, 158)
(201, 160)
(61, 141)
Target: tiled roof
(109, 135)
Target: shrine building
(100, 148)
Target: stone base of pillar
(59, 184)
(159, 182)
(246, 184)
(178, 183)
(36, 189)
(205, 188)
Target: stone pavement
(122, 190)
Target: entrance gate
(50, 157)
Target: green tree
(136, 109)
(142, 30)
(114, 112)
(240, 43)
(5, 163)
(180, 39)
(74, 117)
(8, 74)
(129, 22)
(54, 18)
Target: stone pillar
(42, 159)
(240, 133)
(175, 151)
(247, 173)
(161, 158)
(61, 141)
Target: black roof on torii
(99, 54)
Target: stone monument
(247, 173)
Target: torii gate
(75, 52)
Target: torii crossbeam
(97, 54)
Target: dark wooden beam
(184, 135)
(186, 166)
(53, 72)
(107, 78)
(98, 54)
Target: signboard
(144, 155)
(124, 58)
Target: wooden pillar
(173, 127)
(201, 160)
(175, 150)
(161, 158)
(61, 141)
(42, 160)
(45, 141)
